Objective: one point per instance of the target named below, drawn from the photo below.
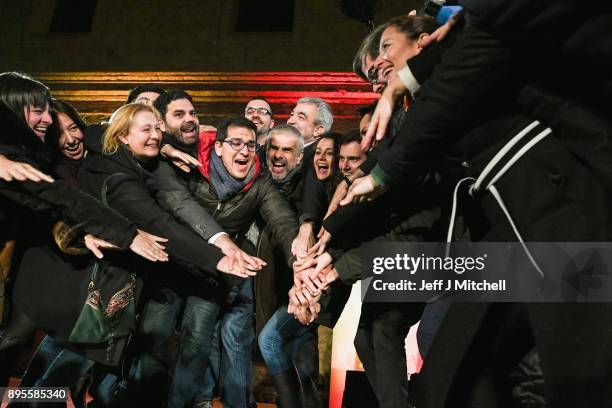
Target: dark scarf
(223, 182)
(286, 184)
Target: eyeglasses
(261, 111)
(238, 145)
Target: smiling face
(364, 123)
(144, 136)
(181, 121)
(303, 118)
(397, 48)
(236, 162)
(263, 121)
(38, 119)
(282, 155)
(350, 158)
(324, 159)
(71, 137)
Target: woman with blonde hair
(122, 164)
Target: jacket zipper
(217, 209)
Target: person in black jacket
(123, 166)
(29, 208)
(508, 67)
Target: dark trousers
(379, 341)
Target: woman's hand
(303, 241)
(149, 246)
(341, 192)
(364, 188)
(382, 114)
(95, 245)
(441, 32)
(12, 170)
(180, 159)
(324, 238)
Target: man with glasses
(259, 111)
(232, 190)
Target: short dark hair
(234, 121)
(368, 47)
(142, 89)
(261, 98)
(161, 104)
(19, 91)
(351, 137)
(367, 109)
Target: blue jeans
(281, 339)
(193, 350)
(54, 366)
(145, 380)
(230, 355)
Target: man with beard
(259, 111)
(180, 119)
(284, 156)
(284, 153)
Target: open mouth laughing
(41, 130)
(73, 149)
(323, 170)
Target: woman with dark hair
(28, 210)
(65, 137)
(320, 181)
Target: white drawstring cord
(502, 152)
(519, 154)
(493, 190)
(495, 193)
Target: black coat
(131, 191)
(474, 102)
(50, 287)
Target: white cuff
(406, 76)
(215, 237)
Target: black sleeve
(466, 85)
(76, 206)
(130, 197)
(174, 196)
(314, 200)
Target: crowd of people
(155, 251)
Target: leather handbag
(98, 323)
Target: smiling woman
(137, 127)
(325, 159)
